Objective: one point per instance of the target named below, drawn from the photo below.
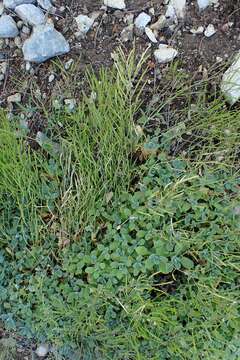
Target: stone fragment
(142, 20)
(30, 14)
(8, 27)
(115, 4)
(84, 23)
(165, 54)
(44, 43)
(210, 30)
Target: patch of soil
(96, 49)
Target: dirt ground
(196, 52)
(100, 42)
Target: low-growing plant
(154, 278)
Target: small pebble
(115, 4)
(51, 78)
(210, 31)
(84, 23)
(28, 66)
(42, 350)
(68, 64)
(15, 98)
(197, 31)
(142, 20)
(150, 34)
(165, 54)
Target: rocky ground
(200, 33)
(87, 32)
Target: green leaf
(142, 250)
(165, 266)
(187, 263)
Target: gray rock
(8, 27)
(84, 23)
(11, 4)
(30, 14)
(44, 43)
(45, 4)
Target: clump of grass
(190, 117)
(8, 349)
(69, 180)
(99, 140)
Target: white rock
(165, 54)
(42, 350)
(28, 66)
(84, 23)
(11, 4)
(230, 85)
(44, 43)
(197, 31)
(203, 4)
(219, 59)
(210, 30)
(30, 14)
(160, 23)
(150, 35)
(45, 4)
(179, 7)
(68, 64)
(51, 78)
(2, 77)
(16, 98)
(142, 20)
(8, 27)
(115, 4)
